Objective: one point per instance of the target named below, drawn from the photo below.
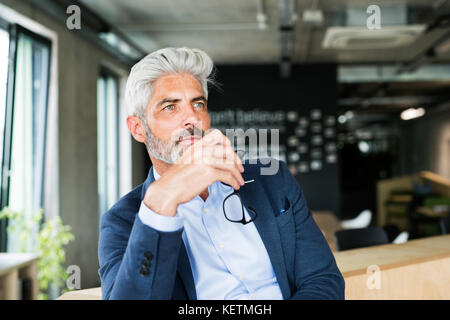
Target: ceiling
(392, 98)
(228, 30)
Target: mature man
(178, 235)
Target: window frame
(15, 31)
(106, 73)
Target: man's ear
(136, 128)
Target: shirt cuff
(158, 221)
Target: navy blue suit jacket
(139, 262)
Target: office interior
(359, 93)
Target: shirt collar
(155, 173)
(224, 187)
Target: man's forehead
(177, 81)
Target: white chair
(361, 221)
(401, 238)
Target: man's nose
(191, 118)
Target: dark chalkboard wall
(303, 108)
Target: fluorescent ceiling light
(412, 113)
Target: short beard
(167, 151)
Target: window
(23, 123)
(4, 54)
(4, 49)
(107, 140)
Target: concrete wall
(78, 64)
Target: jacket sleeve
(136, 261)
(316, 273)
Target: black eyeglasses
(233, 200)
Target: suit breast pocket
(285, 218)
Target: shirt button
(253, 295)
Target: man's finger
(227, 153)
(216, 137)
(226, 177)
(230, 167)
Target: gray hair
(162, 62)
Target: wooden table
(14, 266)
(86, 294)
(417, 269)
(328, 224)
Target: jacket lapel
(184, 267)
(253, 196)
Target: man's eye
(199, 105)
(169, 107)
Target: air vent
(362, 38)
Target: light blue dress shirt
(228, 260)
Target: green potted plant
(49, 242)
